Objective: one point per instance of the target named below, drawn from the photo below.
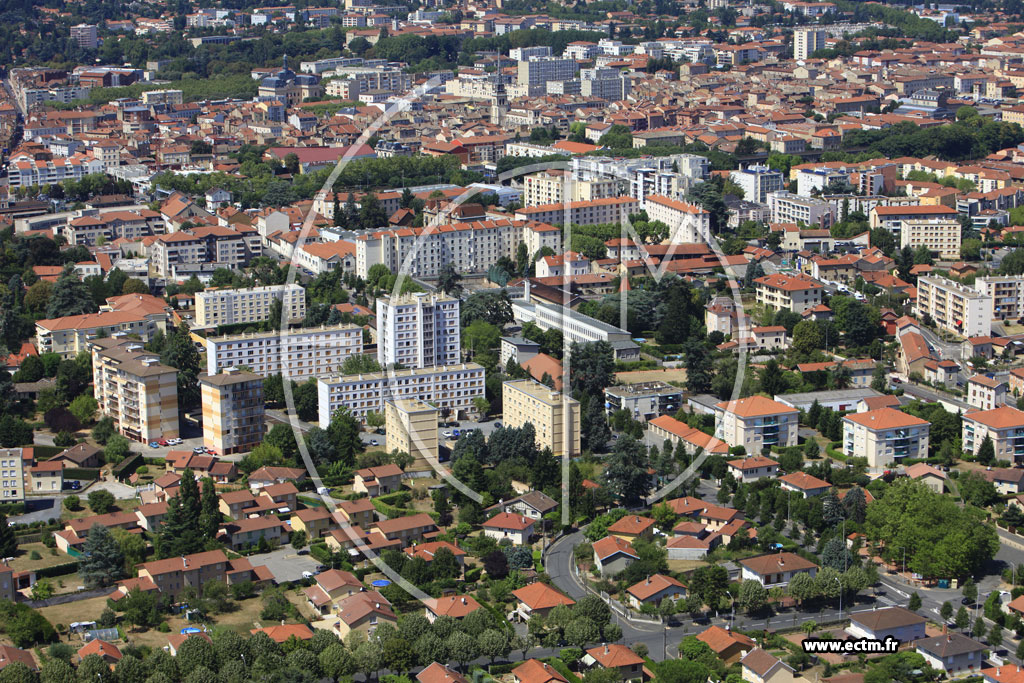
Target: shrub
(73, 503)
(34, 555)
(164, 627)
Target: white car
(307, 575)
(446, 434)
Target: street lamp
(840, 582)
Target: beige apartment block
(885, 436)
(940, 236)
(1007, 294)
(795, 293)
(556, 418)
(807, 41)
(249, 305)
(411, 427)
(1003, 425)
(756, 423)
(555, 187)
(12, 476)
(67, 336)
(297, 353)
(954, 307)
(233, 411)
(134, 388)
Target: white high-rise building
(85, 36)
(757, 182)
(418, 330)
(807, 41)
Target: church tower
(499, 102)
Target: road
(931, 395)
(946, 350)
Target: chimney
(606, 648)
(464, 601)
(378, 605)
(648, 580)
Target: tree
(103, 430)
(493, 644)
(914, 603)
(181, 354)
(596, 430)
(448, 280)
(801, 587)
(337, 662)
(117, 449)
(209, 515)
(946, 611)
(975, 489)
(752, 596)
(344, 430)
(101, 501)
(102, 562)
(462, 648)
(195, 653)
(835, 554)
(70, 296)
(83, 407)
(495, 563)
(807, 337)
(963, 619)
(626, 472)
(592, 369)
(986, 451)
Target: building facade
(756, 423)
(233, 411)
(1003, 425)
(885, 437)
(954, 307)
(1007, 295)
(135, 389)
(249, 305)
(297, 353)
(556, 418)
(418, 330)
(12, 475)
(410, 426)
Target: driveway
(39, 509)
(119, 490)
(285, 563)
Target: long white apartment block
(249, 305)
(954, 307)
(298, 354)
(1007, 294)
(418, 330)
(450, 388)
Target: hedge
(390, 511)
(57, 570)
(396, 499)
(44, 452)
(320, 553)
(89, 473)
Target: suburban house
(174, 573)
(612, 555)
(362, 612)
(654, 589)
(889, 622)
(620, 658)
(439, 673)
(358, 512)
(805, 484)
(728, 645)
(534, 671)
(316, 522)
(330, 587)
(533, 504)
(632, 527)
(407, 529)
(282, 633)
(750, 469)
(951, 652)
(538, 598)
(454, 606)
(427, 551)
(376, 481)
(776, 569)
(46, 476)
(932, 477)
(517, 528)
(761, 667)
(1006, 480)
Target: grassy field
(685, 565)
(664, 375)
(47, 557)
(82, 610)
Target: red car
(162, 442)
(211, 451)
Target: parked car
(154, 444)
(307, 575)
(447, 434)
(373, 442)
(163, 442)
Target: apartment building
(68, 336)
(549, 187)
(410, 426)
(298, 353)
(954, 307)
(885, 437)
(1007, 295)
(791, 292)
(471, 247)
(114, 225)
(554, 416)
(644, 400)
(940, 236)
(418, 330)
(686, 222)
(135, 389)
(12, 475)
(807, 41)
(24, 170)
(607, 210)
(892, 217)
(232, 411)
(450, 388)
(382, 81)
(534, 73)
(85, 36)
(756, 423)
(786, 207)
(167, 97)
(214, 244)
(758, 182)
(1003, 425)
(251, 305)
(986, 393)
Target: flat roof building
(555, 417)
(233, 411)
